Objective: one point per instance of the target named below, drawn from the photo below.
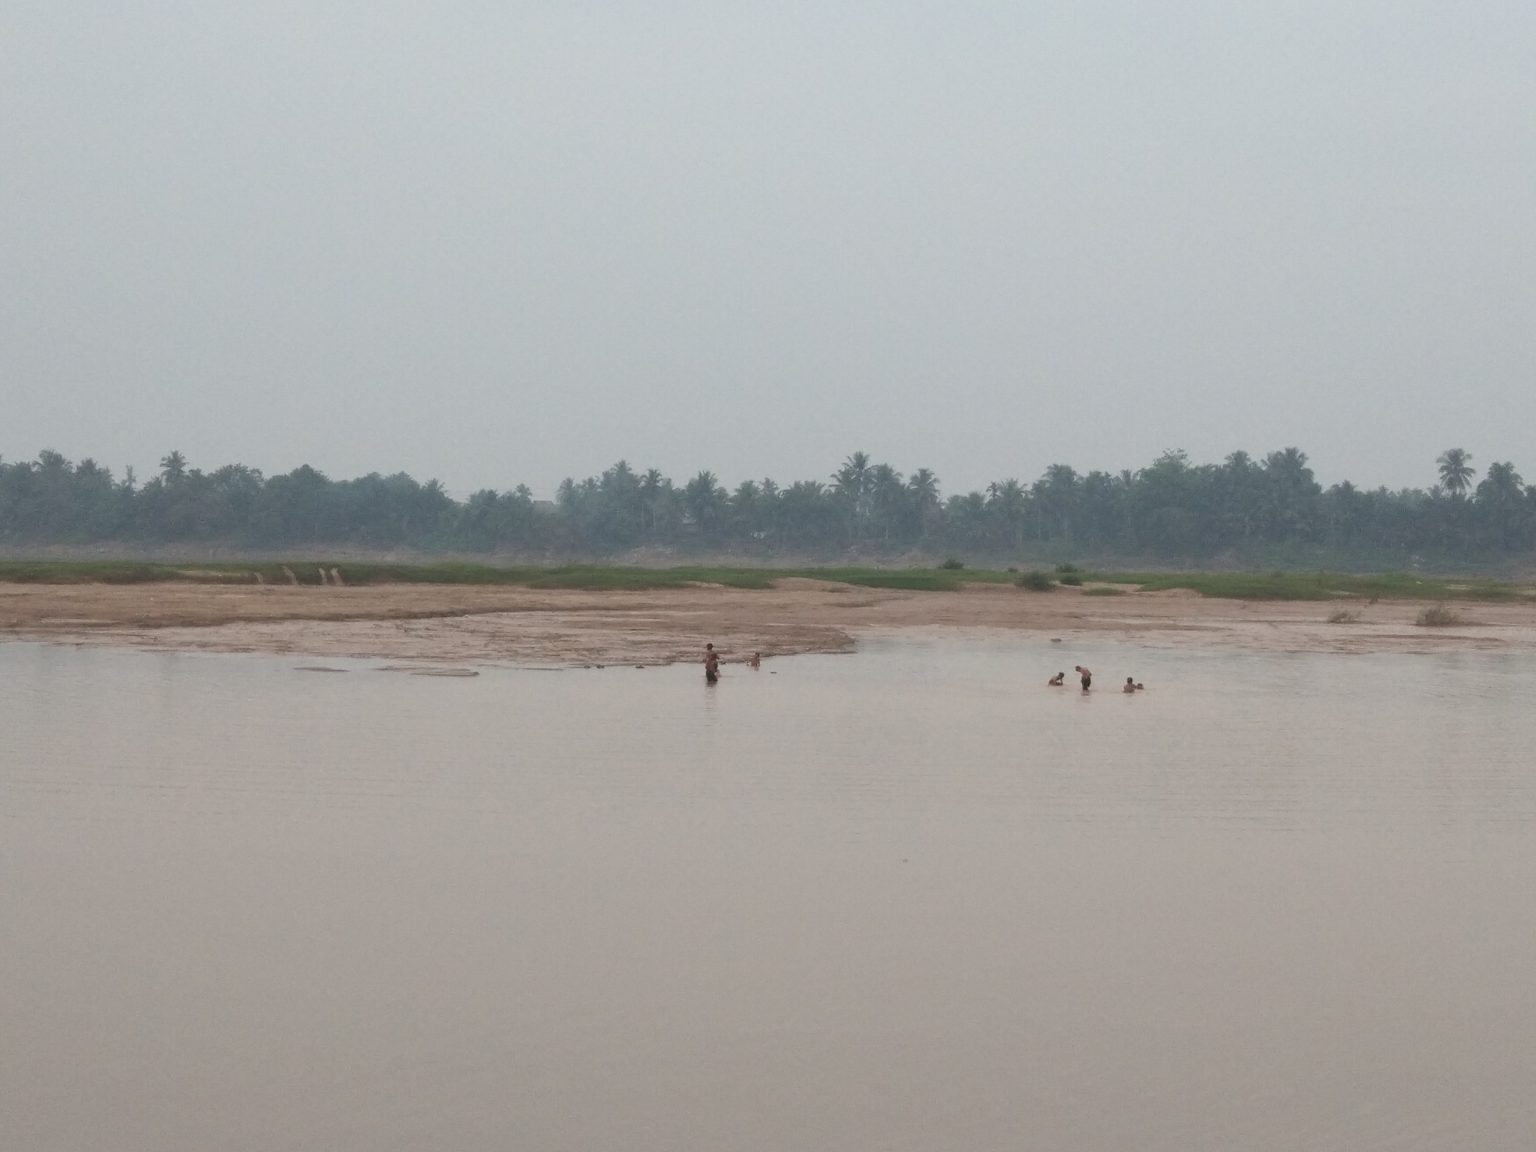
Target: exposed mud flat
(468, 626)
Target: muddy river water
(908, 898)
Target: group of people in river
(712, 672)
(1086, 678)
(712, 663)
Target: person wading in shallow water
(711, 664)
(1085, 674)
(1057, 680)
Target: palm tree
(805, 507)
(1341, 512)
(965, 518)
(1100, 502)
(173, 468)
(1239, 496)
(1503, 483)
(1056, 495)
(650, 489)
(853, 477)
(850, 484)
(768, 496)
(923, 499)
(1501, 499)
(1455, 471)
(746, 507)
(1009, 502)
(887, 499)
(704, 498)
(924, 489)
(1290, 494)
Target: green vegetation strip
(1322, 586)
(597, 577)
(579, 576)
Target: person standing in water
(1085, 674)
(711, 664)
(756, 661)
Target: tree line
(1172, 509)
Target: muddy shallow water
(909, 898)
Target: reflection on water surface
(909, 898)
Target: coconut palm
(173, 468)
(704, 499)
(746, 508)
(768, 498)
(807, 515)
(1455, 471)
(1501, 501)
(850, 485)
(1502, 484)
(650, 491)
(923, 486)
(887, 499)
(965, 519)
(1056, 497)
(923, 500)
(1009, 502)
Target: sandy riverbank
(496, 625)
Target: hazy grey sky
(496, 243)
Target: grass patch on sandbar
(1438, 616)
(605, 577)
(1321, 586)
(592, 577)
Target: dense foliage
(1171, 509)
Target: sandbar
(500, 625)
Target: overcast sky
(498, 243)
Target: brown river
(909, 898)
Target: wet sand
(563, 628)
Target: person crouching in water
(1085, 674)
(1130, 685)
(711, 664)
(1057, 680)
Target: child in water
(711, 664)
(1057, 680)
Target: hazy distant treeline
(1171, 509)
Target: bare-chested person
(1130, 685)
(1057, 680)
(756, 661)
(1087, 676)
(711, 664)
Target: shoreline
(508, 625)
